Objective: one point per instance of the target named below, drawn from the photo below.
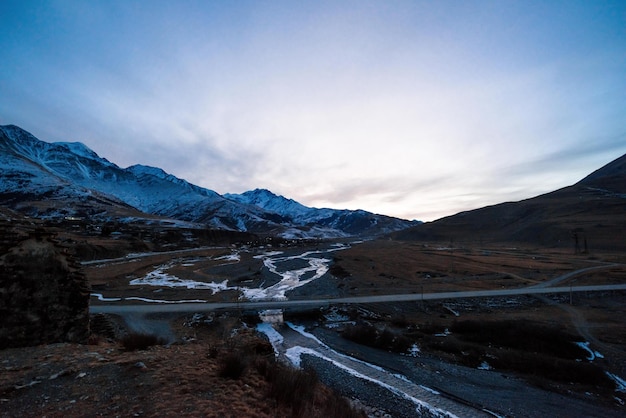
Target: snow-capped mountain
(352, 222)
(60, 179)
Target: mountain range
(67, 179)
(585, 216)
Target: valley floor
(102, 379)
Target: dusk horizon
(408, 109)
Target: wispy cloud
(411, 109)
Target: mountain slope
(36, 178)
(592, 210)
(352, 222)
(610, 177)
(69, 173)
(57, 179)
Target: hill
(589, 214)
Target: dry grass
(139, 341)
(179, 380)
(383, 266)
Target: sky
(414, 109)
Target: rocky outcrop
(44, 297)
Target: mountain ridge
(593, 208)
(37, 173)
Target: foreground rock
(44, 298)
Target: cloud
(408, 108)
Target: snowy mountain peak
(146, 170)
(80, 149)
(64, 173)
(261, 197)
(267, 200)
(15, 139)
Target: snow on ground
(272, 316)
(102, 298)
(300, 330)
(234, 257)
(295, 353)
(619, 382)
(592, 354)
(484, 366)
(268, 254)
(274, 261)
(334, 319)
(274, 336)
(166, 301)
(414, 351)
(291, 279)
(445, 333)
(159, 277)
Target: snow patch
(619, 382)
(234, 257)
(414, 350)
(592, 354)
(445, 333)
(159, 277)
(102, 298)
(267, 254)
(165, 301)
(291, 279)
(274, 336)
(484, 366)
(300, 330)
(294, 355)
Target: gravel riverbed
(502, 393)
(378, 401)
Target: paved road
(317, 303)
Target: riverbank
(503, 393)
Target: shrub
(297, 389)
(361, 333)
(338, 271)
(213, 352)
(139, 341)
(303, 315)
(234, 365)
(294, 387)
(385, 339)
(338, 406)
(400, 321)
(556, 369)
(521, 335)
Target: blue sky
(416, 109)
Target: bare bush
(233, 365)
(139, 341)
(371, 336)
(297, 389)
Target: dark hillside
(592, 211)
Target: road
(131, 257)
(136, 316)
(571, 274)
(318, 303)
